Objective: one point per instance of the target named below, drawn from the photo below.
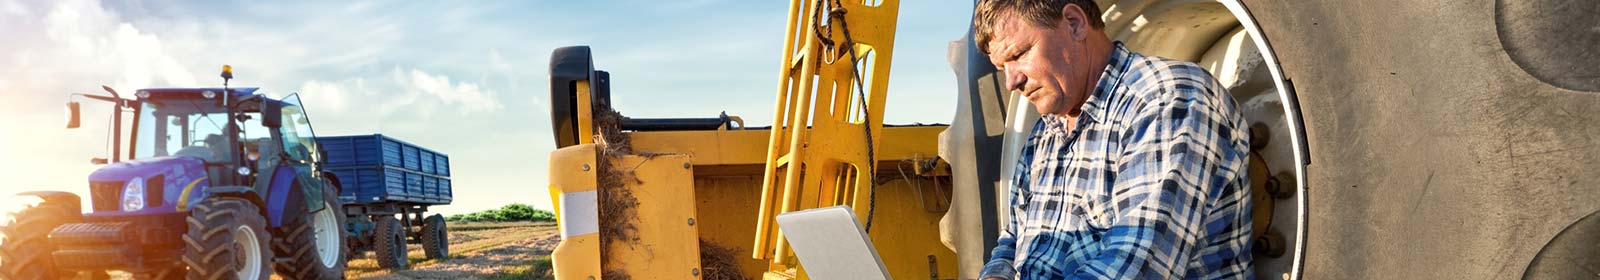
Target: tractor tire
(315, 244)
(25, 250)
(227, 239)
(389, 244)
(435, 237)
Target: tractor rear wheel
(227, 239)
(435, 237)
(314, 244)
(25, 250)
(390, 244)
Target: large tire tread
(389, 244)
(208, 245)
(25, 250)
(435, 237)
(300, 244)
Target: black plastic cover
(568, 65)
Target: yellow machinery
(685, 198)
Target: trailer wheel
(435, 237)
(227, 238)
(315, 245)
(25, 250)
(390, 244)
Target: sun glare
(11, 203)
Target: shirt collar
(1112, 76)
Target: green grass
(538, 269)
(477, 226)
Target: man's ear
(1075, 22)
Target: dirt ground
(478, 251)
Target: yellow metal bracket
(572, 177)
(828, 163)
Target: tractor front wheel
(25, 250)
(227, 239)
(390, 243)
(315, 245)
(435, 237)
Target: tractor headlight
(133, 195)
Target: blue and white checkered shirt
(1149, 184)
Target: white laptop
(831, 244)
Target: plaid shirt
(1150, 183)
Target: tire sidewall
(245, 216)
(256, 223)
(332, 201)
(291, 269)
(389, 242)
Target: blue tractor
(219, 183)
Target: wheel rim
(327, 234)
(246, 241)
(1293, 213)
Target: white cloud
(328, 95)
(469, 96)
(13, 8)
(77, 44)
(402, 92)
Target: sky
(467, 79)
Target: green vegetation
(515, 212)
(539, 269)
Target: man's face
(1041, 63)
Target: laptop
(831, 244)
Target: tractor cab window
(300, 143)
(187, 127)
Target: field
(478, 251)
(519, 250)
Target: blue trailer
(381, 177)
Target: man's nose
(1015, 80)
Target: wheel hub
(325, 230)
(247, 253)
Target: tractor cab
(227, 136)
(194, 123)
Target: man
(1137, 168)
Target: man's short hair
(1040, 13)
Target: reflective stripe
(580, 214)
(183, 198)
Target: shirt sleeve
(1160, 198)
(1000, 263)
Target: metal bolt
(591, 277)
(685, 165)
(694, 272)
(1286, 185)
(1259, 136)
(691, 221)
(586, 168)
